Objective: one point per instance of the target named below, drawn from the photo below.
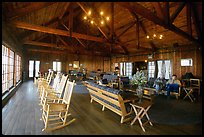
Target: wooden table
(189, 91)
(148, 92)
(140, 110)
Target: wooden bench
(114, 102)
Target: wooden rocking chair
(49, 95)
(55, 115)
(44, 83)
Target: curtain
(168, 69)
(159, 64)
(163, 69)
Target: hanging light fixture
(101, 19)
(155, 35)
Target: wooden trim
(24, 25)
(28, 9)
(178, 10)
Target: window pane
(54, 65)
(37, 68)
(58, 66)
(31, 64)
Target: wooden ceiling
(59, 26)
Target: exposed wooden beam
(33, 6)
(145, 32)
(43, 44)
(66, 44)
(85, 9)
(144, 12)
(71, 19)
(188, 18)
(196, 20)
(166, 13)
(76, 38)
(112, 26)
(24, 25)
(137, 33)
(47, 51)
(126, 25)
(52, 22)
(158, 9)
(124, 31)
(177, 11)
(112, 21)
(65, 7)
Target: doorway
(34, 68)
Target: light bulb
(102, 22)
(85, 17)
(154, 35)
(89, 13)
(147, 37)
(107, 18)
(101, 13)
(92, 22)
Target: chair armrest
(125, 101)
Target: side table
(140, 110)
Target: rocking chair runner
(55, 114)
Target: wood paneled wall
(174, 56)
(91, 63)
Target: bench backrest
(113, 100)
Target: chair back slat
(56, 80)
(68, 92)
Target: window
(18, 68)
(126, 69)
(151, 69)
(186, 62)
(7, 68)
(34, 68)
(56, 66)
(164, 68)
(37, 68)
(31, 68)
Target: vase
(139, 92)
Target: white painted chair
(49, 95)
(55, 115)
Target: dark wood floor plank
(22, 116)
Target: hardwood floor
(21, 116)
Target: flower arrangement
(139, 79)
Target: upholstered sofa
(107, 79)
(113, 99)
(92, 75)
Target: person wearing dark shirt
(173, 85)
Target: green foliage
(139, 79)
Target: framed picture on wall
(76, 64)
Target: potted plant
(139, 79)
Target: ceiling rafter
(110, 42)
(76, 38)
(24, 25)
(84, 7)
(196, 21)
(177, 11)
(124, 31)
(159, 10)
(33, 6)
(43, 44)
(144, 12)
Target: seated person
(159, 84)
(173, 85)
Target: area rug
(175, 112)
